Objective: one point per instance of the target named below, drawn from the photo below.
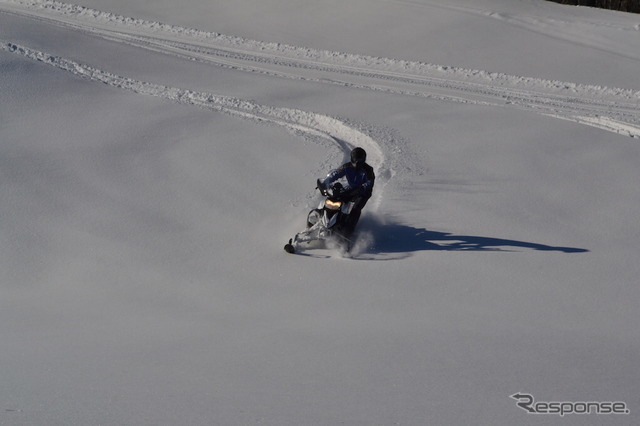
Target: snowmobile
(325, 223)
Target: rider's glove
(321, 187)
(350, 193)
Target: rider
(360, 179)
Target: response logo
(527, 403)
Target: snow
(154, 159)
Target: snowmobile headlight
(333, 205)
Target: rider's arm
(334, 175)
(367, 186)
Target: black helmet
(358, 156)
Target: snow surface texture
(143, 279)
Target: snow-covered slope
(154, 159)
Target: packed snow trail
(612, 109)
(310, 125)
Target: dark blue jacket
(360, 178)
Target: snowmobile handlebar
(335, 191)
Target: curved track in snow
(611, 109)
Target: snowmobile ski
(289, 248)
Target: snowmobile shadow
(393, 241)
